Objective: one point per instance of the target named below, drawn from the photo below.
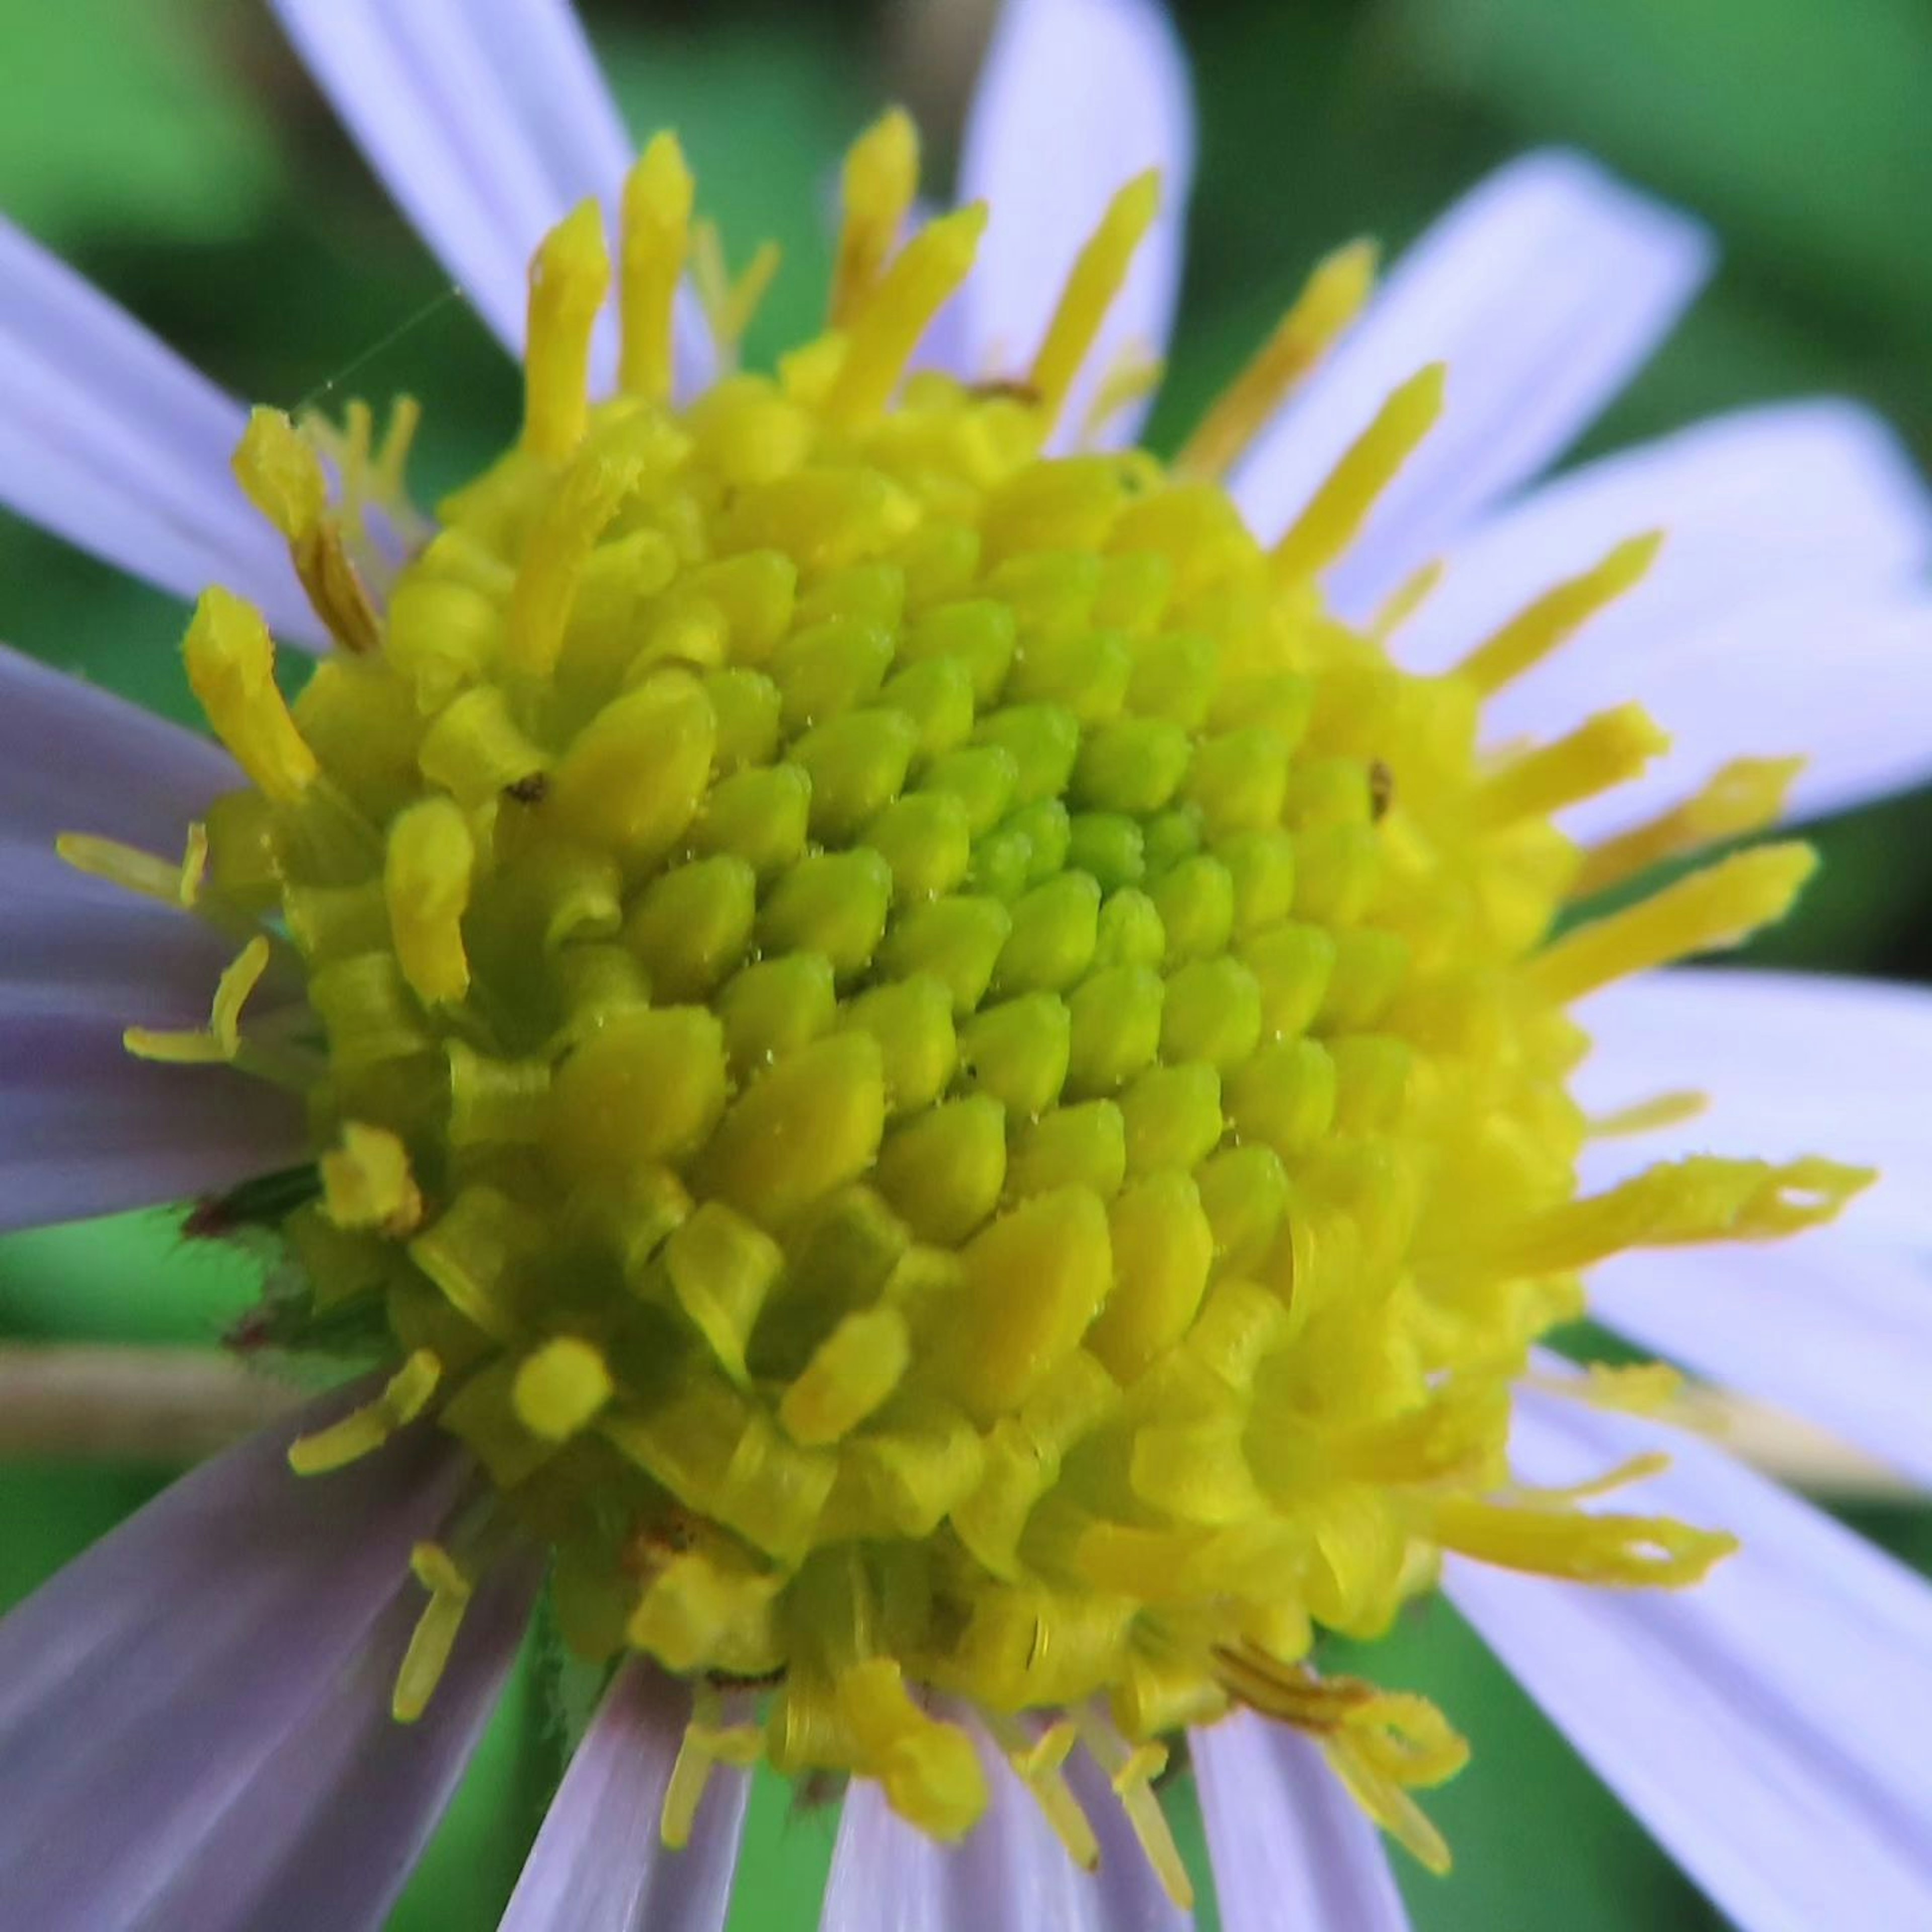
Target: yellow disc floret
(955, 1089)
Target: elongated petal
(76, 759)
(487, 120)
(1290, 1846)
(110, 440)
(599, 1864)
(1769, 1727)
(1819, 494)
(1829, 1326)
(148, 1691)
(1543, 289)
(1012, 1869)
(1077, 96)
(86, 1129)
(1793, 1063)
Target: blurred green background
(174, 150)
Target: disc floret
(959, 1092)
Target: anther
(658, 196)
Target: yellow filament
(1559, 614)
(706, 1743)
(1744, 796)
(1721, 905)
(881, 178)
(435, 1634)
(364, 1430)
(178, 884)
(1339, 509)
(1654, 1551)
(366, 1183)
(426, 883)
(570, 275)
(887, 329)
(1129, 379)
(219, 1042)
(231, 665)
(1405, 599)
(1330, 300)
(1606, 750)
(657, 196)
(1661, 1110)
(1098, 275)
(1038, 1763)
(1132, 1771)
(1676, 1204)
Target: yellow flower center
(956, 1089)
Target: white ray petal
(146, 1690)
(1818, 493)
(1076, 97)
(487, 120)
(599, 1864)
(1290, 1846)
(1769, 1727)
(1544, 289)
(1828, 1326)
(110, 440)
(1793, 1063)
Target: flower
(936, 1085)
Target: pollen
(960, 1094)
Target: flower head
(907, 1026)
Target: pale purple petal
(1827, 1325)
(1544, 289)
(1290, 1846)
(323, 1838)
(1790, 495)
(1769, 1726)
(488, 121)
(1047, 151)
(887, 1875)
(73, 758)
(599, 1864)
(155, 1687)
(112, 441)
(86, 1129)
(1794, 1064)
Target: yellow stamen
(1130, 378)
(570, 276)
(707, 1743)
(1744, 796)
(1132, 1771)
(366, 1183)
(560, 1389)
(1405, 599)
(435, 1634)
(1332, 297)
(1643, 1116)
(1038, 1762)
(1722, 905)
(887, 329)
(231, 664)
(219, 1042)
(1557, 615)
(426, 881)
(1654, 1551)
(1339, 509)
(1604, 750)
(1684, 1203)
(1098, 275)
(276, 464)
(880, 179)
(364, 1430)
(178, 884)
(657, 196)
